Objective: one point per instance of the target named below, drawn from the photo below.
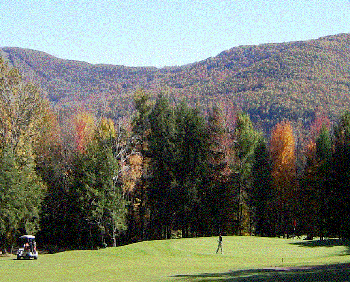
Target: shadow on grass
(322, 243)
(325, 243)
(334, 272)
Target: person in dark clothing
(220, 244)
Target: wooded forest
(169, 170)
(270, 82)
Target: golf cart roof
(27, 237)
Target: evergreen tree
(246, 141)
(141, 122)
(113, 202)
(161, 150)
(141, 128)
(324, 155)
(340, 194)
(190, 167)
(11, 196)
(21, 192)
(314, 191)
(55, 217)
(218, 204)
(261, 190)
(54, 163)
(21, 108)
(99, 205)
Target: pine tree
(99, 203)
(190, 167)
(21, 108)
(141, 128)
(324, 156)
(11, 197)
(141, 122)
(161, 151)
(246, 141)
(315, 188)
(54, 163)
(218, 205)
(21, 192)
(341, 180)
(261, 190)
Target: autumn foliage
(84, 127)
(178, 169)
(282, 150)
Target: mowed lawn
(176, 260)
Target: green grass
(175, 260)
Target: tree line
(170, 170)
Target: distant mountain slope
(67, 80)
(270, 81)
(288, 79)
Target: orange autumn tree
(282, 152)
(49, 139)
(85, 127)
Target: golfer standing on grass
(220, 244)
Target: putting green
(167, 260)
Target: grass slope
(178, 260)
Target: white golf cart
(29, 247)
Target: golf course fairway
(193, 259)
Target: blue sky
(163, 32)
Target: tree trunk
(114, 235)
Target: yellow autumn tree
(106, 129)
(282, 152)
(21, 111)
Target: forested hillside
(269, 81)
(76, 175)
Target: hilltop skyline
(163, 33)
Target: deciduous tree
(282, 151)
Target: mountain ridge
(271, 81)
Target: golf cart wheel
(18, 257)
